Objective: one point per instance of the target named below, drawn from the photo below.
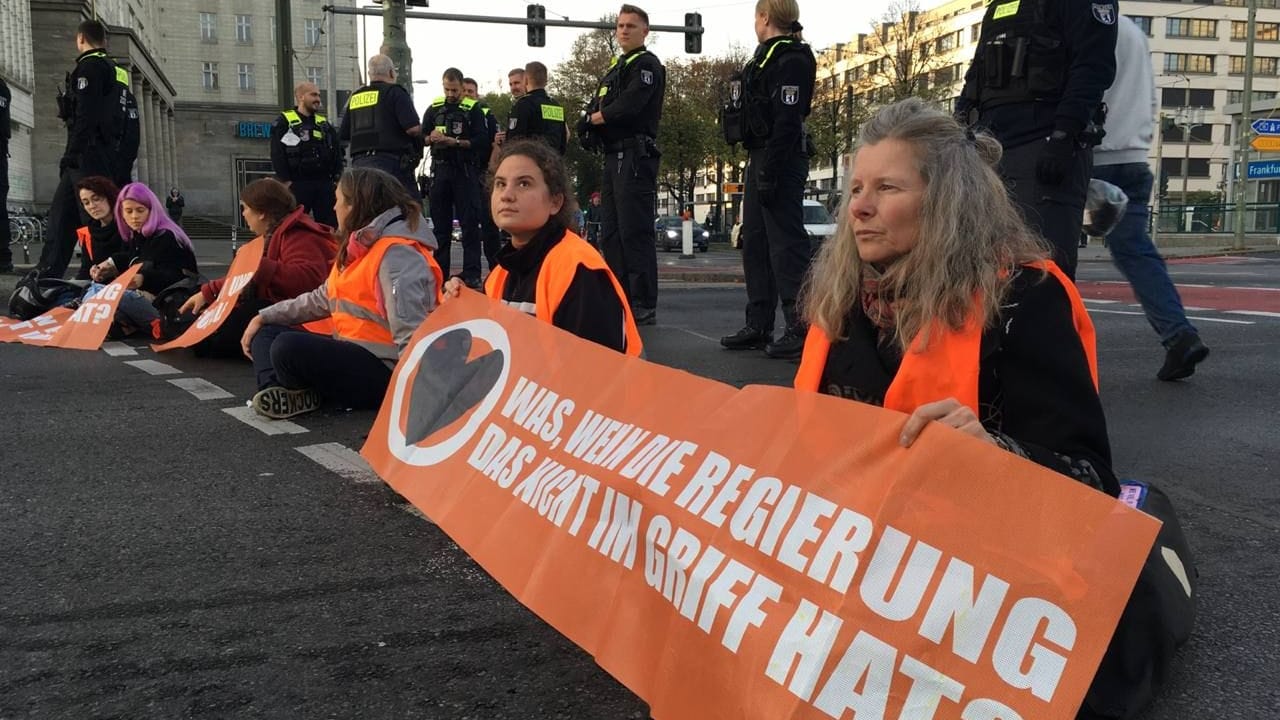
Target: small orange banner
(81, 329)
(243, 267)
(754, 553)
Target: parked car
(817, 222)
(669, 234)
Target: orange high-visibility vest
(353, 295)
(86, 240)
(556, 275)
(948, 365)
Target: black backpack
(169, 300)
(35, 296)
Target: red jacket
(299, 255)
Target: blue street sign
(1266, 127)
(1264, 169)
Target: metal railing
(1217, 218)
(26, 229)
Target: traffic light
(537, 33)
(693, 33)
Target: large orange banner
(754, 553)
(81, 329)
(242, 270)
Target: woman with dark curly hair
(100, 239)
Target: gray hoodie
(408, 287)
(1131, 100)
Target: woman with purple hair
(158, 243)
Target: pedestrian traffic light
(693, 33)
(537, 32)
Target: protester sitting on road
(152, 239)
(100, 239)
(936, 300)
(545, 269)
(298, 254)
(383, 284)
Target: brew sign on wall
(754, 553)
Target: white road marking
(202, 389)
(1189, 317)
(1259, 313)
(342, 461)
(1193, 308)
(118, 349)
(1099, 301)
(697, 335)
(267, 426)
(151, 367)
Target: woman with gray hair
(936, 300)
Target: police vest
(548, 120)
(948, 365)
(1021, 57)
(312, 152)
(125, 132)
(748, 118)
(353, 297)
(452, 120)
(620, 69)
(556, 275)
(374, 127)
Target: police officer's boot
(790, 344)
(749, 337)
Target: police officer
(490, 238)
(93, 107)
(622, 120)
(535, 114)
(306, 154)
(769, 103)
(1036, 83)
(6, 255)
(381, 126)
(457, 132)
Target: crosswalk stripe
(151, 367)
(341, 460)
(247, 416)
(202, 389)
(118, 349)
(1258, 313)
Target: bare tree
(908, 54)
(574, 83)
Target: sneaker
(788, 346)
(1184, 353)
(279, 402)
(645, 316)
(748, 338)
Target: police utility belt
(645, 144)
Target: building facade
(17, 67)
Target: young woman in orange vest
(100, 239)
(546, 269)
(383, 284)
(297, 257)
(934, 299)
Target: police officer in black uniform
(769, 103)
(490, 238)
(1036, 84)
(381, 126)
(622, 120)
(535, 114)
(306, 154)
(458, 132)
(6, 254)
(93, 106)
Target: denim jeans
(134, 309)
(1135, 256)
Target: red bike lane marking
(1215, 298)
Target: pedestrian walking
(1121, 159)
(174, 204)
(306, 154)
(770, 101)
(1036, 83)
(622, 120)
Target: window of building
(1191, 28)
(244, 72)
(1188, 63)
(975, 31)
(1196, 167)
(273, 30)
(1200, 134)
(208, 27)
(1180, 97)
(209, 76)
(315, 75)
(1262, 32)
(1241, 3)
(947, 42)
(1142, 21)
(244, 28)
(1237, 96)
(311, 32)
(1261, 65)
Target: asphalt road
(160, 558)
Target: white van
(817, 222)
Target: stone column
(143, 165)
(157, 122)
(166, 125)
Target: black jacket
(778, 81)
(164, 260)
(94, 123)
(107, 243)
(1035, 391)
(632, 103)
(5, 100)
(590, 308)
(528, 120)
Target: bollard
(233, 243)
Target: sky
(487, 51)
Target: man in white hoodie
(1121, 160)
